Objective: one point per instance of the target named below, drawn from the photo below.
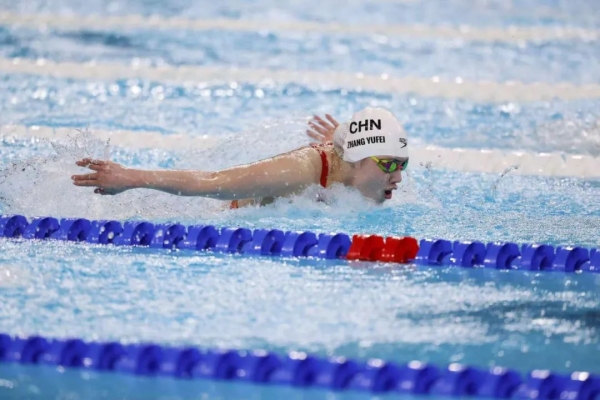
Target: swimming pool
(172, 86)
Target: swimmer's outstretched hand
(322, 131)
(108, 178)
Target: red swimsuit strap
(324, 162)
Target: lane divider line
(297, 369)
(482, 91)
(277, 243)
(511, 34)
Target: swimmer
(368, 153)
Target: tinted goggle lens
(390, 166)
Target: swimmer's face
(374, 183)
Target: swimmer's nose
(396, 177)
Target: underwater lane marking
(456, 159)
(483, 91)
(509, 34)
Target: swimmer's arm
(279, 176)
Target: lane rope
(299, 370)
(277, 243)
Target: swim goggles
(389, 166)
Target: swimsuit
(324, 162)
(324, 169)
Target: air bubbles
(40, 94)
(114, 89)
(158, 92)
(509, 109)
(135, 91)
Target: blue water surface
(567, 60)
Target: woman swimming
(367, 153)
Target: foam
(510, 34)
(494, 161)
(482, 91)
(13, 276)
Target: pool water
(520, 320)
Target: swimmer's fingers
(98, 167)
(85, 182)
(320, 129)
(86, 162)
(83, 162)
(326, 125)
(332, 120)
(317, 137)
(85, 179)
(92, 176)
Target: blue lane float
(135, 233)
(103, 232)
(527, 257)
(232, 240)
(570, 259)
(536, 257)
(331, 246)
(299, 370)
(434, 252)
(71, 229)
(297, 244)
(277, 243)
(41, 228)
(593, 265)
(467, 254)
(13, 226)
(200, 238)
(168, 236)
(265, 243)
(501, 256)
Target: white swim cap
(371, 132)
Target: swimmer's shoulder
(309, 157)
